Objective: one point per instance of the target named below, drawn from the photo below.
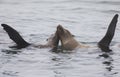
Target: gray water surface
(36, 20)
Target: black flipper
(15, 36)
(56, 42)
(106, 40)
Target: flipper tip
(4, 25)
(116, 15)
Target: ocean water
(36, 20)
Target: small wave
(110, 2)
(110, 11)
(11, 51)
(10, 73)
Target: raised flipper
(106, 40)
(55, 42)
(15, 36)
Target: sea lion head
(66, 38)
(63, 33)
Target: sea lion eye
(46, 39)
(73, 35)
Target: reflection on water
(109, 66)
(10, 51)
(37, 19)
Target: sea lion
(21, 43)
(69, 43)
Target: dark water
(36, 20)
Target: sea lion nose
(59, 27)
